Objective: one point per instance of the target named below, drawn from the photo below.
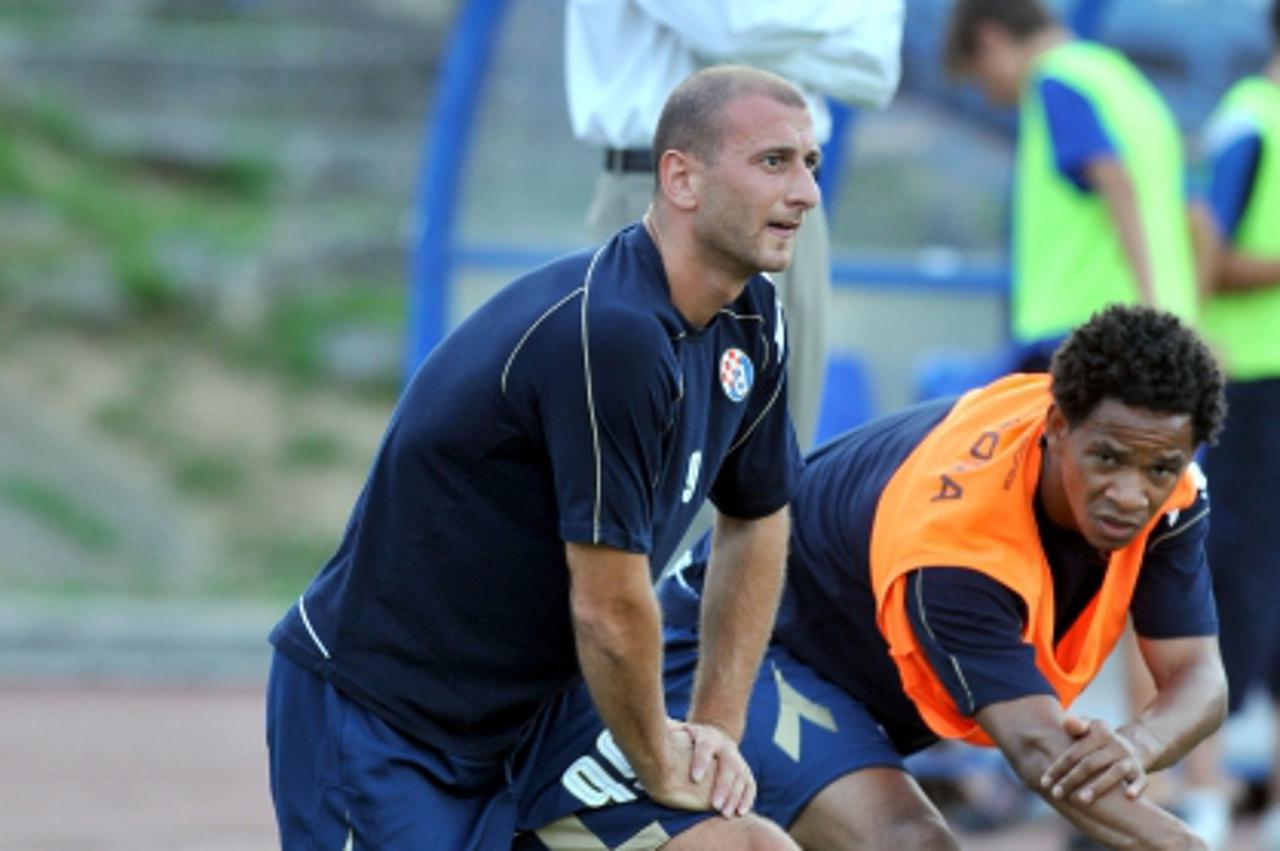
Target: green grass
(299, 323)
(139, 415)
(123, 418)
(59, 511)
(31, 20)
(311, 449)
(273, 566)
(128, 208)
(208, 474)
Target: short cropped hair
(1143, 358)
(691, 118)
(1021, 18)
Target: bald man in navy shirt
(542, 462)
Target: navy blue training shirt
(576, 405)
(828, 614)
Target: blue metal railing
(458, 92)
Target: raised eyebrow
(1113, 448)
(784, 151)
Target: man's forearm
(1111, 180)
(1113, 819)
(1120, 822)
(1030, 734)
(1205, 247)
(1188, 707)
(740, 600)
(1238, 272)
(619, 642)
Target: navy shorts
(803, 732)
(1244, 537)
(340, 774)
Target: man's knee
(873, 808)
(748, 833)
(923, 832)
(926, 832)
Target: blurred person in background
(1241, 318)
(538, 470)
(622, 57)
(960, 570)
(1099, 196)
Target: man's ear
(1055, 425)
(679, 179)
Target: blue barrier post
(449, 123)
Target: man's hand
(673, 785)
(1097, 760)
(704, 771)
(715, 752)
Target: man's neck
(1049, 490)
(699, 286)
(1041, 43)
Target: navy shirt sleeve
(1233, 167)
(1075, 131)
(970, 627)
(760, 472)
(1174, 595)
(602, 419)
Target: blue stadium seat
(847, 398)
(950, 371)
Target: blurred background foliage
(205, 211)
(201, 283)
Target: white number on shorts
(589, 782)
(609, 748)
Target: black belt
(626, 160)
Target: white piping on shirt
(742, 438)
(955, 663)
(741, 316)
(529, 331)
(591, 401)
(1177, 530)
(306, 621)
(749, 317)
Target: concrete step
(77, 510)
(340, 240)
(252, 69)
(126, 638)
(340, 13)
(312, 160)
(334, 109)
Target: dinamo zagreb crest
(736, 374)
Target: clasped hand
(1099, 759)
(706, 772)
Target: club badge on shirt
(736, 374)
